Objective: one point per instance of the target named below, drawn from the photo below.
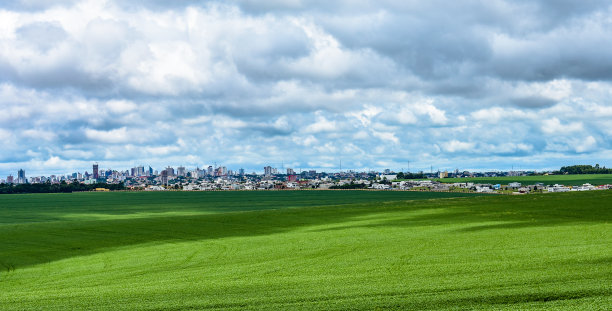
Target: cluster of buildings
(170, 176)
(518, 188)
(221, 178)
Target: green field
(568, 180)
(306, 250)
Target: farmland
(568, 180)
(305, 250)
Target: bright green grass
(305, 250)
(568, 180)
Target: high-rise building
(170, 171)
(180, 171)
(140, 171)
(267, 170)
(21, 179)
(9, 179)
(241, 172)
(290, 171)
(164, 177)
(210, 170)
(95, 171)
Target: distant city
(222, 178)
(166, 176)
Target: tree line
(402, 175)
(352, 185)
(62, 187)
(585, 169)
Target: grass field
(306, 250)
(568, 180)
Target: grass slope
(568, 180)
(329, 250)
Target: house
(484, 189)
(155, 188)
(380, 186)
(191, 187)
(557, 188)
(514, 185)
(584, 187)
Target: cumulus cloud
(252, 83)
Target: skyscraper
(268, 170)
(21, 179)
(164, 177)
(170, 171)
(95, 171)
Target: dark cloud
(564, 11)
(533, 102)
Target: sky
(404, 85)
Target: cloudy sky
(306, 84)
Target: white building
(557, 188)
(380, 186)
(584, 187)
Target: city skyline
(222, 171)
(472, 85)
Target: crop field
(568, 180)
(316, 250)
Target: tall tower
(95, 171)
(164, 177)
(21, 179)
(267, 170)
(180, 171)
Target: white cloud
(121, 106)
(458, 146)
(588, 144)
(436, 115)
(386, 136)
(321, 124)
(250, 81)
(554, 126)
